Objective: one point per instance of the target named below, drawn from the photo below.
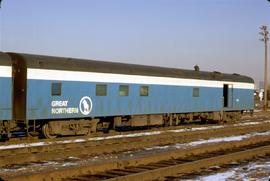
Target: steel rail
(162, 164)
(62, 151)
(189, 167)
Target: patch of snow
(178, 130)
(75, 158)
(157, 148)
(195, 129)
(72, 141)
(215, 177)
(245, 173)
(24, 145)
(247, 123)
(69, 164)
(49, 163)
(211, 140)
(26, 167)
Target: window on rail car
(101, 90)
(123, 90)
(144, 90)
(196, 92)
(56, 89)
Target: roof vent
(196, 68)
(216, 72)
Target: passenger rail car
(63, 96)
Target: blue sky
(219, 35)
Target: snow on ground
(257, 110)
(211, 140)
(31, 165)
(195, 129)
(149, 133)
(23, 145)
(252, 171)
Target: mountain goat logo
(85, 105)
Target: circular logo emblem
(85, 105)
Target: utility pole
(265, 39)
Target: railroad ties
(183, 167)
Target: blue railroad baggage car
(63, 96)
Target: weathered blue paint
(161, 99)
(5, 98)
(243, 99)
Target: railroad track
(107, 146)
(181, 167)
(57, 151)
(166, 165)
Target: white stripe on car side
(63, 75)
(5, 71)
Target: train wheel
(203, 121)
(46, 132)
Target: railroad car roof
(5, 59)
(72, 64)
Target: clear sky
(219, 35)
